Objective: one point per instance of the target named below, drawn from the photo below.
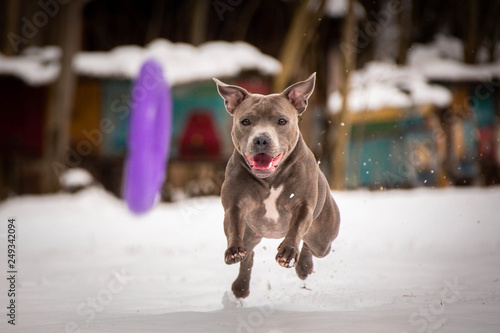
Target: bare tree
(61, 95)
(405, 24)
(477, 21)
(303, 27)
(199, 21)
(343, 129)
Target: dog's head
(265, 127)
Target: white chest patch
(270, 204)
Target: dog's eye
(282, 121)
(245, 122)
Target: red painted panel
(200, 138)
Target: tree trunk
(60, 102)
(154, 27)
(492, 30)
(343, 130)
(493, 45)
(405, 30)
(245, 18)
(478, 24)
(12, 19)
(199, 21)
(471, 38)
(300, 33)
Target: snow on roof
(182, 63)
(380, 85)
(338, 8)
(443, 60)
(35, 65)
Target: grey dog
(273, 187)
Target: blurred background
(407, 94)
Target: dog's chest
(271, 216)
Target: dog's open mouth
(263, 162)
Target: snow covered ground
(405, 261)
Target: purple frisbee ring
(148, 138)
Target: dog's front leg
(234, 228)
(288, 250)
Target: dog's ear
(299, 92)
(233, 95)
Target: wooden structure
(472, 124)
(21, 135)
(201, 133)
(394, 148)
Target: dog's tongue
(262, 161)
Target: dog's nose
(261, 142)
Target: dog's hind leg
(319, 238)
(304, 265)
(241, 286)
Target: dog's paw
(304, 267)
(287, 256)
(234, 254)
(240, 288)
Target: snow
(405, 261)
(379, 85)
(75, 177)
(35, 65)
(182, 63)
(338, 9)
(385, 85)
(443, 60)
